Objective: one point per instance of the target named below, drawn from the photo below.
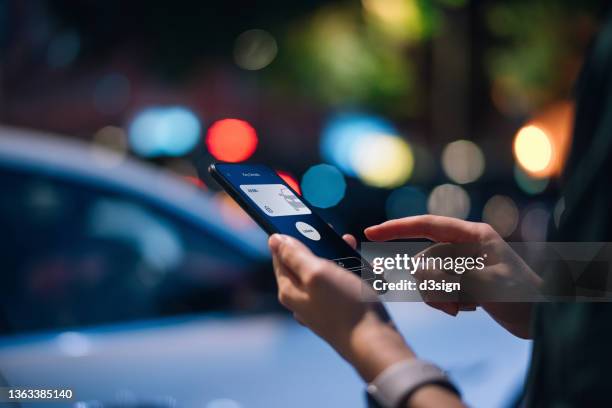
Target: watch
(399, 381)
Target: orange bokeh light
(290, 180)
(231, 140)
(553, 126)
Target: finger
(282, 273)
(349, 239)
(433, 227)
(289, 295)
(293, 255)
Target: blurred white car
(128, 286)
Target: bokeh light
(533, 149)
(323, 185)
(541, 147)
(164, 131)
(344, 62)
(449, 200)
(231, 140)
(109, 147)
(405, 202)
(463, 161)
(111, 93)
(401, 20)
(63, 49)
(344, 132)
(290, 180)
(367, 147)
(255, 49)
(529, 184)
(502, 214)
(383, 160)
(534, 226)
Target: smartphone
(277, 208)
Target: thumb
(349, 239)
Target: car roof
(74, 160)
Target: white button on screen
(308, 231)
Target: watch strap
(395, 384)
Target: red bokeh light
(231, 140)
(290, 180)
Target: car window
(75, 255)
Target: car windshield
(74, 255)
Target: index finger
(434, 227)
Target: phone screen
(277, 208)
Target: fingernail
(274, 241)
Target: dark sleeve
(571, 354)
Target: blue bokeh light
(531, 186)
(112, 93)
(323, 185)
(63, 49)
(344, 132)
(406, 202)
(164, 131)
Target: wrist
(375, 345)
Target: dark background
(448, 70)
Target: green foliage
(538, 46)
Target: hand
(329, 300)
(503, 269)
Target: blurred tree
(538, 51)
(335, 59)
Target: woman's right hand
(504, 270)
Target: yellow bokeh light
(400, 19)
(383, 160)
(533, 150)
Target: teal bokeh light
(405, 202)
(164, 131)
(323, 185)
(344, 132)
